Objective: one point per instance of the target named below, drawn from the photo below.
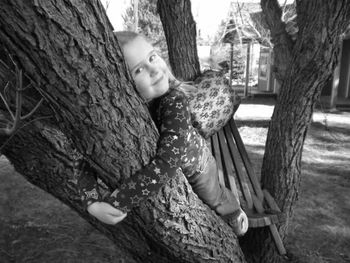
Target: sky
(209, 13)
(114, 10)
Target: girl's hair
(124, 37)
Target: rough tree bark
(180, 32)
(91, 112)
(303, 67)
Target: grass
(38, 228)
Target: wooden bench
(237, 173)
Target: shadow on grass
(329, 134)
(268, 101)
(253, 123)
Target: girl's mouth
(158, 80)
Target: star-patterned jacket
(179, 147)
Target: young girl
(179, 147)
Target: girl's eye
(152, 57)
(138, 70)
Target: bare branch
(10, 127)
(17, 118)
(33, 110)
(25, 75)
(19, 84)
(6, 89)
(5, 102)
(238, 29)
(19, 128)
(28, 86)
(12, 60)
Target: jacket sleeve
(174, 127)
(87, 185)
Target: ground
(38, 228)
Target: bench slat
(239, 168)
(246, 160)
(228, 163)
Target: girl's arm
(87, 185)
(91, 197)
(174, 129)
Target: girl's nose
(153, 70)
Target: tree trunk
(92, 112)
(180, 32)
(303, 67)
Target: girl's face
(149, 71)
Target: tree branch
(283, 43)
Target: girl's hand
(106, 213)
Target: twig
(11, 126)
(19, 84)
(28, 86)
(24, 125)
(33, 110)
(5, 89)
(5, 102)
